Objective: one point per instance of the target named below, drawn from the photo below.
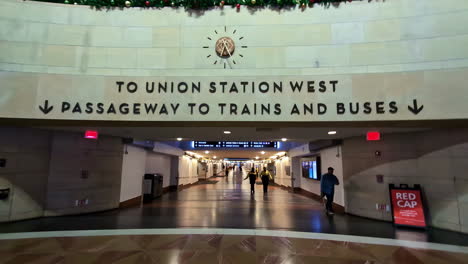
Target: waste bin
(152, 187)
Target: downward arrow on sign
(46, 109)
(415, 109)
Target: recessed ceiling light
(179, 139)
(214, 157)
(263, 152)
(227, 132)
(206, 152)
(331, 132)
(257, 157)
(284, 139)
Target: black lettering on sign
(296, 86)
(311, 86)
(119, 84)
(212, 87)
(295, 110)
(77, 108)
(309, 109)
(367, 108)
(277, 109)
(136, 108)
(46, 108)
(191, 105)
(100, 108)
(380, 109)
(163, 110)
(340, 108)
(333, 83)
(123, 108)
(278, 87)
(264, 87)
(111, 109)
(221, 106)
(233, 109)
(148, 88)
(233, 88)
(322, 86)
(65, 106)
(245, 110)
(204, 109)
(132, 87)
(89, 108)
(322, 108)
(393, 107)
(354, 108)
(174, 108)
(265, 109)
(151, 108)
(182, 87)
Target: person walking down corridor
(327, 188)
(266, 177)
(252, 177)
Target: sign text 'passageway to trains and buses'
(256, 98)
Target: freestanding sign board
(407, 206)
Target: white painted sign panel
(360, 97)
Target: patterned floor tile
(239, 243)
(36, 245)
(36, 259)
(178, 242)
(235, 257)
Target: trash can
(152, 186)
(158, 185)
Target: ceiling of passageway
(300, 134)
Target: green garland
(197, 4)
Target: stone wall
(434, 159)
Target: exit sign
(91, 134)
(373, 136)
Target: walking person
(252, 178)
(266, 177)
(327, 188)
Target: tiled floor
(226, 204)
(211, 249)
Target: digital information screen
(235, 144)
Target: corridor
(226, 203)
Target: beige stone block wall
(27, 166)
(71, 154)
(358, 37)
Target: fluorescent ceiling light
(284, 139)
(179, 139)
(331, 132)
(227, 132)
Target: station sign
(235, 144)
(289, 98)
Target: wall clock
(225, 48)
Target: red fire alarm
(91, 134)
(373, 136)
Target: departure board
(235, 144)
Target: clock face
(225, 48)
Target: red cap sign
(407, 207)
(91, 134)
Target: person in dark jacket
(327, 188)
(252, 177)
(266, 177)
